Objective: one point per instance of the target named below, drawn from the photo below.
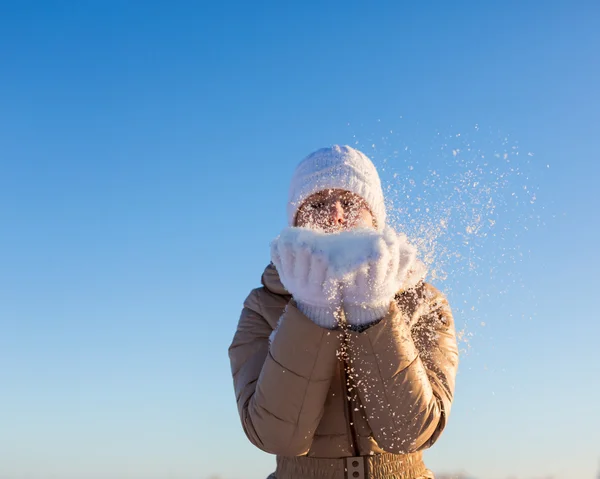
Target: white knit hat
(338, 167)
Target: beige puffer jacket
(333, 404)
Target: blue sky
(145, 155)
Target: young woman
(344, 361)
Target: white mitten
(303, 269)
(369, 291)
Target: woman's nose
(336, 213)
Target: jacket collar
(270, 280)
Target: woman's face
(334, 210)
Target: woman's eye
(317, 206)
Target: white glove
(304, 271)
(392, 266)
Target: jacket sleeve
(281, 386)
(405, 376)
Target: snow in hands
(360, 266)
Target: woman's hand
(369, 290)
(305, 272)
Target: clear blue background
(145, 153)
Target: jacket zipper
(347, 410)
